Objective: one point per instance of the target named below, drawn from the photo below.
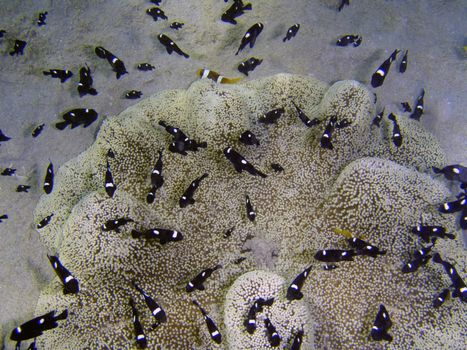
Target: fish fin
(62, 316)
(169, 50)
(450, 236)
(46, 73)
(200, 287)
(437, 258)
(247, 7)
(136, 233)
(61, 125)
(185, 55)
(436, 170)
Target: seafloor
(432, 30)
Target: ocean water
(432, 30)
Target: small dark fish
(277, 167)
(271, 117)
(35, 327)
(18, 49)
(249, 65)
(378, 77)
(303, 117)
(23, 188)
(109, 184)
(176, 25)
(415, 264)
(212, 328)
(133, 94)
(334, 255)
(117, 64)
(239, 260)
(76, 117)
(170, 45)
(8, 172)
(145, 67)
(406, 107)
(110, 153)
(85, 82)
(403, 64)
(44, 222)
(114, 224)
(396, 131)
(460, 289)
(228, 232)
(327, 134)
(355, 40)
(199, 279)
(297, 341)
(250, 212)
(250, 36)
(379, 331)
(237, 9)
(291, 32)
(378, 118)
(154, 307)
(441, 298)
(454, 172)
(248, 138)
(37, 130)
(418, 110)
(61, 74)
(364, 248)
(163, 235)
(241, 163)
(273, 336)
(141, 340)
(41, 19)
(425, 232)
(70, 283)
(187, 197)
(157, 180)
(250, 322)
(3, 137)
(294, 290)
(343, 3)
(49, 179)
(329, 267)
(3, 217)
(454, 206)
(156, 13)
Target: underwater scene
(228, 174)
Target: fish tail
(136, 233)
(436, 170)
(199, 72)
(230, 80)
(61, 125)
(437, 258)
(247, 7)
(46, 73)
(62, 316)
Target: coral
(364, 184)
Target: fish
(200, 278)
(273, 336)
(334, 255)
(250, 36)
(170, 45)
(18, 48)
(35, 327)
(3, 217)
(181, 143)
(133, 94)
(460, 289)
(277, 167)
(454, 206)
(70, 283)
(23, 188)
(418, 110)
(240, 163)
(176, 25)
(8, 172)
(249, 65)
(425, 232)
(248, 138)
(62, 74)
(291, 32)
(156, 13)
(297, 340)
(141, 340)
(216, 77)
(76, 117)
(454, 172)
(303, 117)
(364, 248)
(109, 183)
(163, 235)
(41, 19)
(325, 140)
(406, 107)
(239, 260)
(396, 131)
(187, 197)
(145, 67)
(49, 179)
(212, 327)
(348, 39)
(415, 264)
(237, 9)
(116, 63)
(378, 77)
(382, 323)
(3, 137)
(342, 4)
(403, 64)
(114, 224)
(85, 82)
(329, 267)
(157, 180)
(294, 290)
(228, 232)
(110, 153)
(156, 310)
(37, 130)
(2, 33)
(250, 212)
(441, 298)
(258, 304)
(271, 117)
(44, 222)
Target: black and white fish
(258, 304)
(329, 267)
(49, 179)
(181, 143)
(334, 255)
(114, 224)
(460, 289)
(37, 130)
(291, 32)
(297, 341)
(240, 163)
(85, 82)
(187, 197)
(380, 328)
(454, 172)
(454, 206)
(406, 107)
(248, 138)
(342, 4)
(378, 77)
(277, 167)
(250, 212)
(326, 138)
(62, 74)
(237, 9)
(109, 183)
(44, 222)
(198, 281)
(271, 117)
(418, 110)
(133, 94)
(378, 118)
(23, 188)
(250, 36)
(273, 336)
(35, 327)
(212, 327)
(77, 117)
(163, 235)
(364, 248)
(303, 117)
(141, 340)
(70, 283)
(157, 180)
(441, 298)
(18, 48)
(228, 232)
(156, 13)
(3, 217)
(249, 65)
(144, 67)
(416, 263)
(8, 172)
(396, 131)
(294, 290)
(176, 25)
(3, 137)
(156, 310)
(348, 39)
(425, 232)
(117, 64)
(403, 64)
(170, 45)
(41, 19)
